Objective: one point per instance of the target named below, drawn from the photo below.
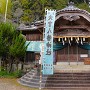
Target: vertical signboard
(48, 42)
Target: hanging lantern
(65, 38)
(69, 41)
(63, 41)
(83, 39)
(78, 38)
(58, 39)
(71, 38)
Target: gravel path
(12, 84)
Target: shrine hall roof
(69, 8)
(72, 8)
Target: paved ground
(12, 84)
(70, 89)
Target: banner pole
(6, 10)
(42, 51)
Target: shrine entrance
(71, 51)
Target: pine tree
(12, 45)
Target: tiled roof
(69, 8)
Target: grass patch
(5, 74)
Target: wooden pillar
(56, 56)
(77, 54)
(88, 53)
(68, 55)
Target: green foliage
(16, 74)
(6, 74)
(12, 45)
(12, 42)
(27, 11)
(27, 16)
(18, 49)
(6, 34)
(79, 1)
(84, 6)
(59, 4)
(35, 9)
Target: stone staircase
(32, 79)
(56, 81)
(68, 80)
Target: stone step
(32, 84)
(68, 88)
(60, 75)
(56, 86)
(66, 81)
(66, 85)
(58, 80)
(71, 74)
(69, 78)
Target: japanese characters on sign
(48, 42)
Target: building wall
(34, 37)
(71, 54)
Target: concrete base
(72, 67)
(70, 63)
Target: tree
(18, 14)
(28, 11)
(18, 49)
(17, 11)
(12, 43)
(84, 6)
(34, 10)
(6, 34)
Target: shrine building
(71, 51)
(71, 36)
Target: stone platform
(66, 77)
(72, 67)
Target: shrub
(5, 74)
